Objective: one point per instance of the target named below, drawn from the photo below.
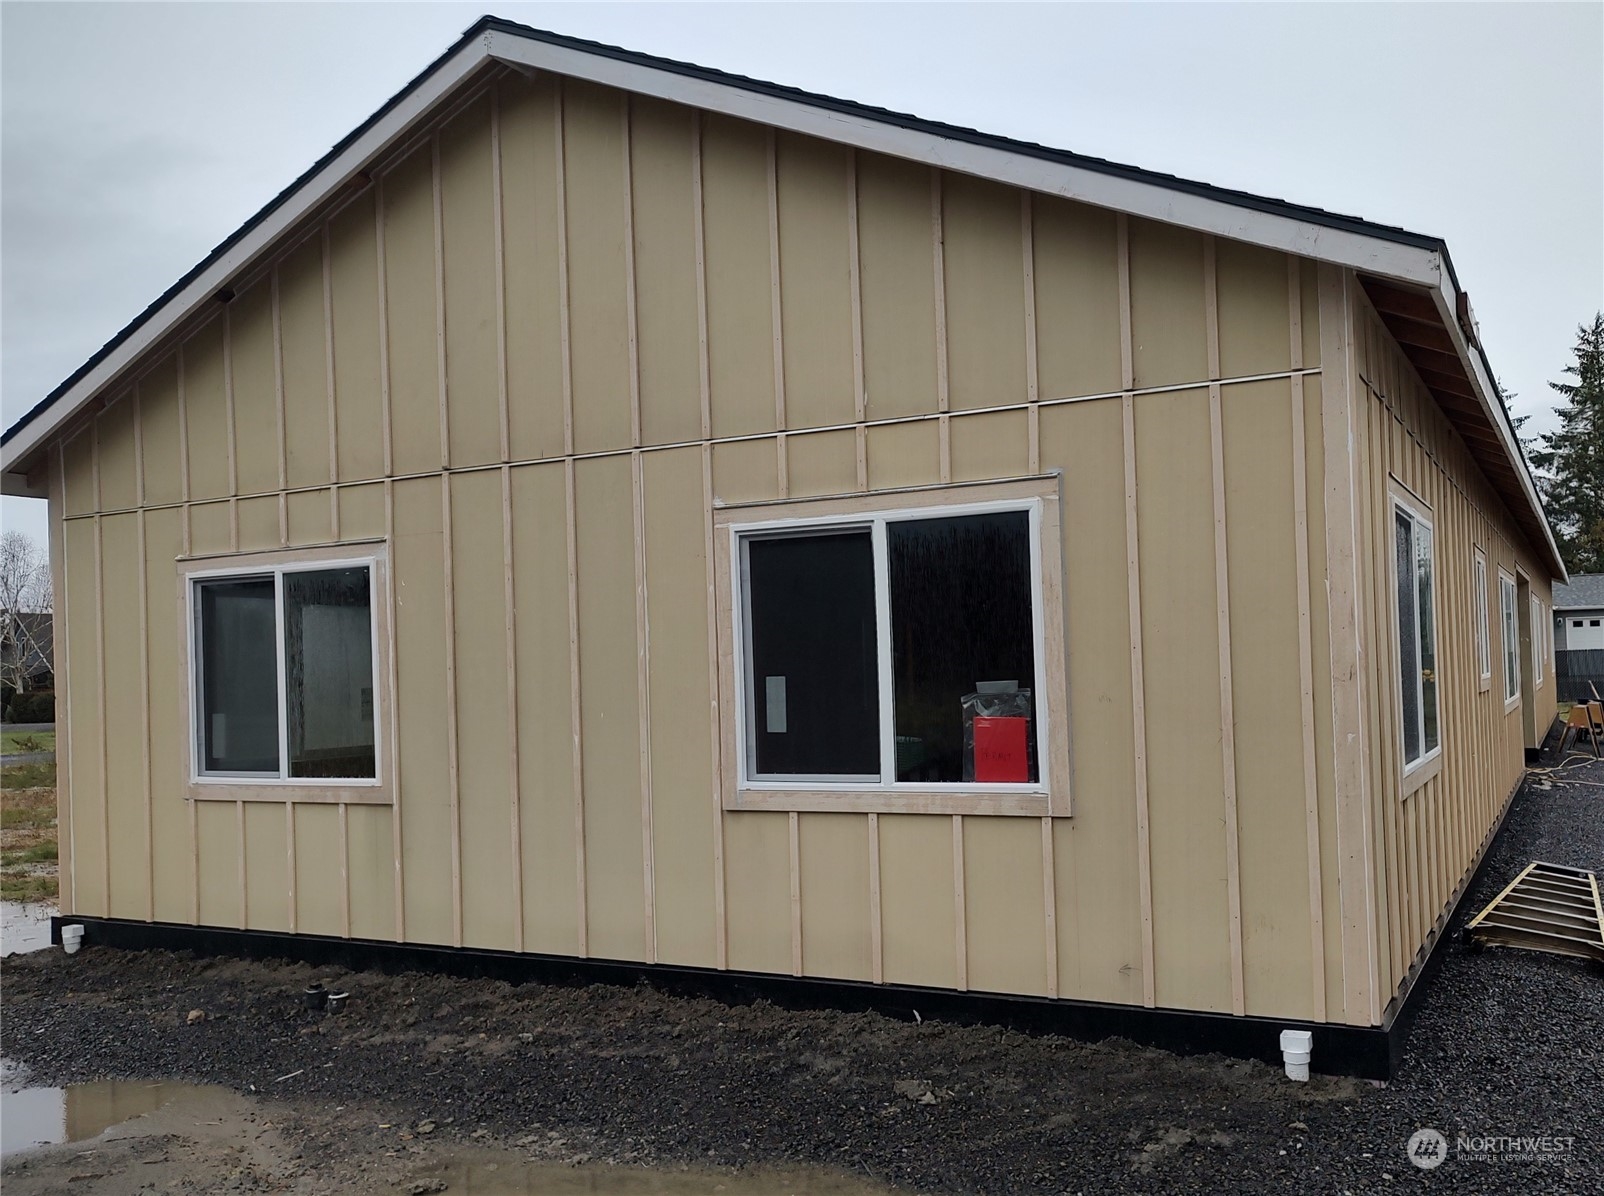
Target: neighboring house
(619, 518)
(1579, 613)
(25, 650)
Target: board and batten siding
(1425, 843)
(531, 355)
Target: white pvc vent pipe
(71, 938)
(1296, 1047)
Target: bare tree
(24, 589)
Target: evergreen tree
(1573, 456)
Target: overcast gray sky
(137, 136)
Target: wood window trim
(1411, 777)
(1051, 799)
(380, 791)
(1481, 590)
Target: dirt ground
(419, 1066)
(423, 1075)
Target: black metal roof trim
(912, 123)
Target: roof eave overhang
(1415, 261)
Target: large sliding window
(285, 683)
(1511, 633)
(1413, 575)
(893, 654)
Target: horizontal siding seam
(602, 454)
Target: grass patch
(39, 853)
(28, 847)
(40, 774)
(12, 742)
(16, 818)
(27, 886)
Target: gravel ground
(1505, 1043)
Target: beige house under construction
(615, 518)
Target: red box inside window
(1002, 749)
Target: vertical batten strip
(1300, 527)
(438, 190)
(563, 321)
(228, 415)
(643, 689)
(1127, 369)
(144, 653)
(244, 881)
(877, 952)
(100, 665)
(1049, 888)
(328, 374)
(783, 482)
(574, 699)
(453, 780)
(67, 864)
(345, 869)
(1361, 1005)
(794, 842)
(1049, 866)
(938, 255)
(704, 368)
(396, 841)
(509, 603)
(228, 425)
(186, 541)
(960, 905)
(499, 233)
(1222, 605)
(631, 298)
(699, 241)
(860, 401)
(289, 858)
(772, 180)
(720, 923)
(1133, 584)
(571, 532)
(384, 331)
(1138, 701)
(643, 697)
(144, 724)
(278, 392)
(1027, 238)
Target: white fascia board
(203, 289)
(1378, 256)
(1358, 251)
(1446, 299)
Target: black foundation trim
(1370, 1052)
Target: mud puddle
(31, 1117)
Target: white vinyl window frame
(883, 793)
(244, 786)
(1509, 628)
(1539, 648)
(1415, 773)
(1483, 622)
